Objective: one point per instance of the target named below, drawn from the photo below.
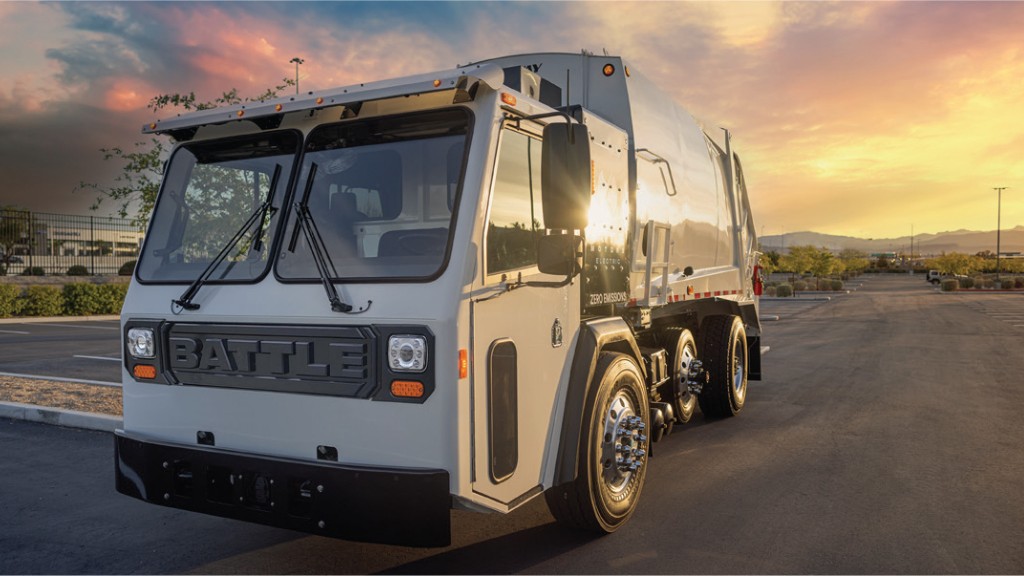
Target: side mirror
(565, 176)
(560, 254)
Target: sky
(867, 119)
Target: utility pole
(999, 222)
(297, 61)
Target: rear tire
(682, 352)
(612, 459)
(724, 355)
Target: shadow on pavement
(508, 552)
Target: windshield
(211, 189)
(381, 197)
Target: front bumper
(410, 507)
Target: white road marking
(13, 332)
(97, 357)
(90, 327)
(60, 379)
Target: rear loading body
(358, 308)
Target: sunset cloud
(851, 117)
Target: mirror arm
(565, 112)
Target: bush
(126, 269)
(33, 271)
(81, 299)
(950, 285)
(111, 298)
(77, 270)
(966, 282)
(783, 290)
(799, 286)
(1018, 282)
(1006, 284)
(837, 285)
(42, 301)
(9, 302)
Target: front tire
(724, 355)
(612, 459)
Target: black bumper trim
(409, 507)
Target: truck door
(521, 337)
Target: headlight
(407, 353)
(140, 343)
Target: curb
(60, 417)
(796, 299)
(41, 319)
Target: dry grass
(66, 395)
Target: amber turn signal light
(144, 371)
(406, 389)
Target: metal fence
(58, 244)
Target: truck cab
(359, 308)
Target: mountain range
(966, 241)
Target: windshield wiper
(185, 300)
(324, 265)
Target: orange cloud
(128, 94)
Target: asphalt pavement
(885, 438)
(62, 348)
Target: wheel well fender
(605, 334)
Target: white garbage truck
(357, 309)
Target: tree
(854, 261)
(799, 260)
(823, 263)
(138, 182)
(137, 185)
(15, 230)
(769, 262)
(956, 263)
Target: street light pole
(911, 249)
(999, 222)
(297, 61)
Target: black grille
(333, 361)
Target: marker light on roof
(508, 98)
(608, 70)
(437, 83)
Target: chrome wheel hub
(624, 443)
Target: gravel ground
(66, 395)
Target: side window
(516, 219)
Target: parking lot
(884, 438)
(88, 350)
